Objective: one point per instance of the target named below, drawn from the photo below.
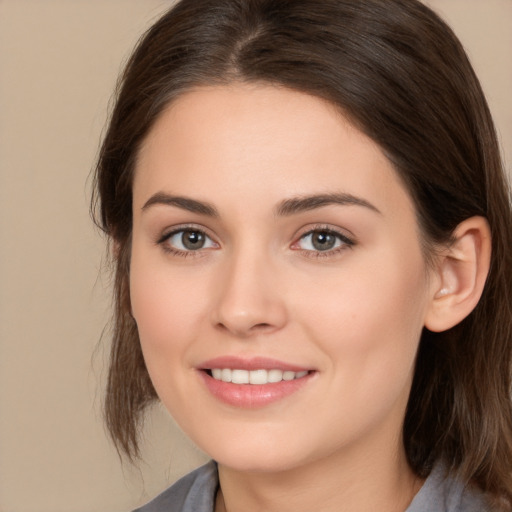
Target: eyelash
(162, 241)
(346, 242)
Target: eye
(187, 240)
(323, 240)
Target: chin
(257, 454)
(256, 463)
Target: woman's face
(272, 240)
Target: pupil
(323, 241)
(192, 240)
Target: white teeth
(237, 376)
(275, 375)
(258, 377)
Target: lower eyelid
(333, 253)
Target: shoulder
(444, 493)
(194, 492)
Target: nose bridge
(249, 300)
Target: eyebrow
(186, 203)
(305, 203)
(287, 207)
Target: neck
(375, 481)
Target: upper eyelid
(168, 232)
(343, 233)
(342, 240)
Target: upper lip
(251, 363)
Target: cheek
(166, 308)
(369, 318)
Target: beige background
(58, 64)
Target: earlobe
(461, 273)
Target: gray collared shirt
(196, 492)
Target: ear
(460, 275)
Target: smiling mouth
(253, 383)
(255, 377)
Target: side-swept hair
(398, 72)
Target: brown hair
(399, 73)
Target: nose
(249, 301)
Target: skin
(353, 314)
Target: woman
(311, 234)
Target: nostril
(244, 330)
(261, 326)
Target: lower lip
(252, 396)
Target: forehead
(264, 141)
